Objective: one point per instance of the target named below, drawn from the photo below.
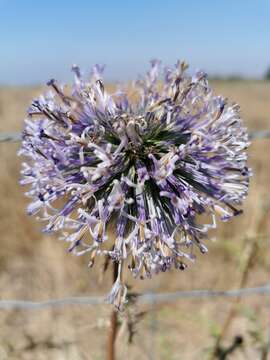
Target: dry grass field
(35, 266)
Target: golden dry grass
(34, 266)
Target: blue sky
(42, 39)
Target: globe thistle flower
(137, 175)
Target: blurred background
(230, 41)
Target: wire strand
(17, 137)
(146, 298)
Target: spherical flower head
(137, 175)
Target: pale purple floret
(144, 166)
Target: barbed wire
(259, 134)
(10, 137)
(17, 137)
(146, 298)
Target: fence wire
(16, 136)
(146, 298)
(10, 137)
